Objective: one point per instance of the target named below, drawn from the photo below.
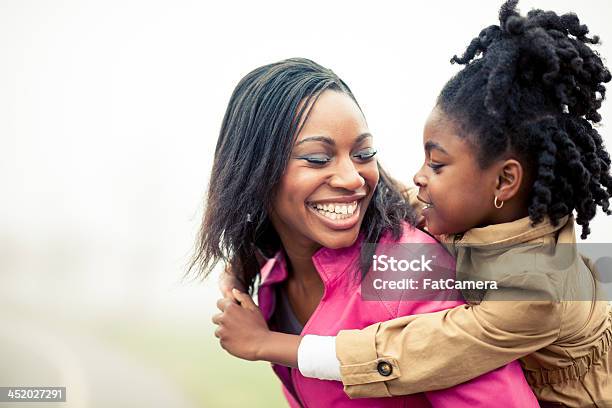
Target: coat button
(385, 369)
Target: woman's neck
(299, 250)
(299, 263)
(304, 286)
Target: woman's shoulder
(415, 241)
(410, 234)
(415, 246)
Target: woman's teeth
(336, 211)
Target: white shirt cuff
(317, 357)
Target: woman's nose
(347, 176)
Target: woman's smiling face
(458, 193)
(330, 178)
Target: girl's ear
(509, 179)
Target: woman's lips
(337, 215)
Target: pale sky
(111, 110)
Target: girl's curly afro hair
(533, 86)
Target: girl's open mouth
(427, 206)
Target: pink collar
(330, 263)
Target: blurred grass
(185, 351)
(193, 359)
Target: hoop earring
(498, 206)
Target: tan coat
(563, 344)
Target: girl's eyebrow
(430, 145)
(328, 140)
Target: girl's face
(330, 178)
(458, 193)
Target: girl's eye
(366, 154)
(435, 166)
(316, 159)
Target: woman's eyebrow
(324, 139)
(430, 145)
(362, 136)
(328, 140)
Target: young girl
(511, 154)
(295, 178)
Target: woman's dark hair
(254, 145)
(535, 92)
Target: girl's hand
(242, 329)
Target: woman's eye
(316, 159)
(366, 154)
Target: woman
(296, 184)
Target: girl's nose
(419, 178)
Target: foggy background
(109, 114)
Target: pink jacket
(342, 307)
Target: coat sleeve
(439, 350)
